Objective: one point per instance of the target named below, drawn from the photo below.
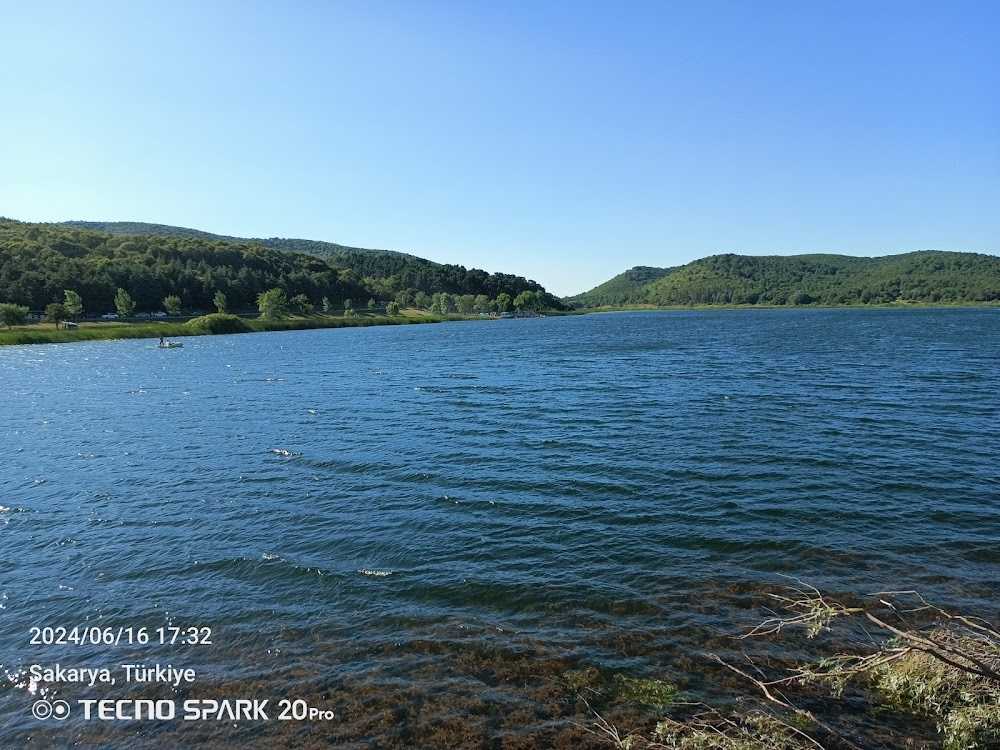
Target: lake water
(427, 528)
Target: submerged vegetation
(904, 657)
(927, 277)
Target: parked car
(109, 316)
(158, 314)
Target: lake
(427, 529)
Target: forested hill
(623, 289)
(39, 261)
(310, 247)
(927, 276)
(387, 272)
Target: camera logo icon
(43, 709)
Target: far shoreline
(39, 333)
(971, 305)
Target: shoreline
(38, 334)
(879, 306)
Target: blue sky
(562, 141)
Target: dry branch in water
(918, 658)
(909, 656)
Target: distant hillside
(152, 261)
(927, 276)
(39, 261)
(622, 289)
(310, 247)
(386, 272)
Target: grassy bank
(48, 334)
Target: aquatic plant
(957, 693)
(712, 730)
(648, 692)
(903, 654)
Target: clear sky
(564, 141)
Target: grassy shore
(47, 333)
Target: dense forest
(151, 262)
(386, 273)
(928, 276)
(622, 289)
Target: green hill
(310, 247)
(620, 290)
(152, 261)
(39, 261)
(386, 273)
(927, 276)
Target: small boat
(170, 345)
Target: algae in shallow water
(645, 691)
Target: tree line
(39, 262)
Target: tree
(527, 300)
(172, 304)
(404, 298)
(13, 315)
(422, 300)
(392, 308)
(220, 301)
(327, 306)
(348, 308)
(272, 304)
(481, 304)
(124, 303)
(372, 304)
(73, 303)
(503, 302)
(302, 305)
(442, 303)
(55, 312)
(466, 303)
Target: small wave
(270, 556)
(375, 572)
(285, 453)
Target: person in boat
(162, 342)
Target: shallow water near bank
(428, 527)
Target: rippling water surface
(426, 528)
